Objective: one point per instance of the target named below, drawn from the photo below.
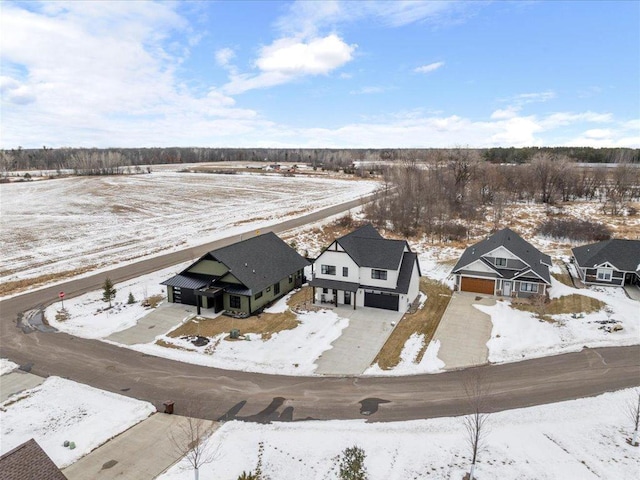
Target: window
(528, 287)
(345, 271)
(378, 274)
(276, 288)
(290, 278)
(328, 269)
(604, 274)
(234, 301)
(501, 262)
(325, 290)
(258, 295)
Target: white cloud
(506, 113)
(432, 67)
(287, 59)
(535, 97)
(224, 56)
(567, 118)
(367, 90)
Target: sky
(320, 74)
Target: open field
(74, 225)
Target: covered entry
(477, 285)
(387, 301)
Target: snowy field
(582, 439)
(74, 225)
(60, 410)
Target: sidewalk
(360, 342)
(16, 382)
(141, 453)
(159, 321)
(464, 331)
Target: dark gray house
(613, 262)
(241, 278)
(503, 264)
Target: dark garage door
(184, 295)
(378, 300)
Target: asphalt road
(222, 394)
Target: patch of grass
(424, 321)
(62, 315)
(265, 324)
(564, 305)
(153, 301)
(564, 278)
(15, 286)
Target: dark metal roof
(337, 284)
(369, 249)
(189, 280)
(260, 261)
(27, 462)
(621, 253)
(534, 258)
(237, 290)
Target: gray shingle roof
(621, 253)
(537, 261)
(369, 249)
(28, 462)
(260, 261)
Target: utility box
(234, 333)
(168, 407)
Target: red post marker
(61, 295)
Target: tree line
(444, 197)
(115, 160)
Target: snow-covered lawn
(7, 366)
(82, 223)
(581, 439)
(289, 352)
(518, 335)
(430, 362)
(88, 316)
(60, 410)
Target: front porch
(334, 292)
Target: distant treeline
(115, 160)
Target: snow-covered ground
(7, 366)
(60, 410)
(519, 335)
(81, 224)
(289, 352)
(581, 439)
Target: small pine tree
(352, 464)
(247, 476)
(131, 300)
(108, 291)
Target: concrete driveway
(141, 453)
(158, 321)
(353, 352)
(464, 331)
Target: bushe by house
(503, 264)
(613, 262)
(364, 269)
(240, 278)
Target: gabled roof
(260, 261)
(369, 249)
(507, 238)
(621, 253)
(29, 461)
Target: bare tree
(633, 411)
(476, 424)
(190, 439)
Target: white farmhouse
(364, 269)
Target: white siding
(390, 282)
(338, 260)
(478, 266)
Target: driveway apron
(157, 322)
(141, 453)
(464, 331)
(353, 352)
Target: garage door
(478, 285)
(184, 296)
(378, 300)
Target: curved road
(222, 394)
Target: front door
(347, 298)
(506, 288)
